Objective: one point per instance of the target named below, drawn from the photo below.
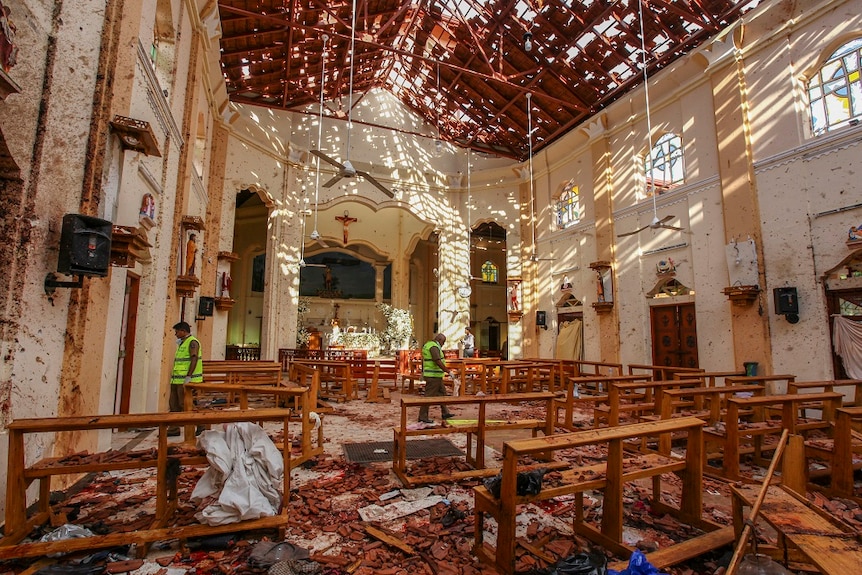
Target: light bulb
(528, 41)
(438, 147)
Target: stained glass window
(663, 167)
(835, 91)
(568, 206)
(489, 272)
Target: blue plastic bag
(638, 565)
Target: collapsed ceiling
(465, 66)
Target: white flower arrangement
(399, 327)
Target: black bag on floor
(580, 564)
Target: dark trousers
(176, 402)
(433, 388)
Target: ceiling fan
(656, 223)
(346, 169)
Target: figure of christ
(345, 220)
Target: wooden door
(674, 335)
(126, 351)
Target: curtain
(569, 340)
(847, 341)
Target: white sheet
(245, 475)
(847, 339)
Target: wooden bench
(832, 547)
(586, 389)
(335, 378)
(767, 415)
(663, 372)
(476, 432)
(710, 378)
(851, 399)
(304, 399)
(586, 367)
(636, 399)
(706, 403)
(838, 451)
(609, 477)
(20, 474)
(775, 384)
(242, 372)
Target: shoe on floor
(426, 421)
(173, 433)
(448, 415)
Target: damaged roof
(465, 66)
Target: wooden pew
(769, 415)
(478, 431)
(852, 398)
(609, 477)
(711, 378)
(242, 372)
(775, 384)
(335, 380)
(586, 389)
(706, 403)
(636, 399)
(663, 372)
(829, 545)
(845, 442)
(589, 368)
(21, 473)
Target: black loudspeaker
(206, 306)
(541, 319)
(85, 246)
(786, 301)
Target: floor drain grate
(382, 450)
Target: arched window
(663, 167)
(489, 272)
(835, 91)
(568, 206)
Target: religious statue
(327, 278)
(513, 298)
(567, 283)
(8, 49)
(148, 207)
(191, 253)
(345, 220)
(600, 286)
(226, 282)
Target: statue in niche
(513, 298)
(148, 207)
(600, 287)
(191, 254)
(226, 282)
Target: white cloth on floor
(245, 475)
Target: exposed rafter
(584, 56)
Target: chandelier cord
(651, 185)
(350, 91)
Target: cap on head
(183, 326)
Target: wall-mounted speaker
(206, 306)
(85, 246)
(541, 319)
(786, 300)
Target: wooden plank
(389, 539)
(685, 550)
(832, 555)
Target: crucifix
(345, 220)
